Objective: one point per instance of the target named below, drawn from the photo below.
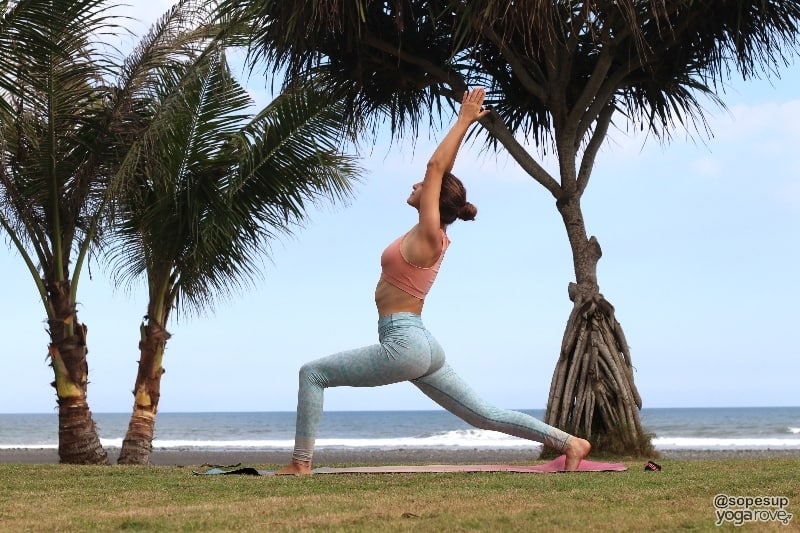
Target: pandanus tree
(55, 166)
(205, 186)
(559, 74)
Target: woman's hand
(472, 105)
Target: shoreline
(323, 457)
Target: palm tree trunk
(138, 442)
(78, 442)
(592, 393)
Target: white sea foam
(469, 438)
(681, 429)
(28, 446)
(693, 443)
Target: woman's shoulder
(422, 249)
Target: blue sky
(700, 259)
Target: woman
(407, 351)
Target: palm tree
(205, 186)
(53, 179)
(558, 72)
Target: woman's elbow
(436, 165)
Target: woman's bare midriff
(389, 300)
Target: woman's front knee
(309, 373)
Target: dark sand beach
(374, 457)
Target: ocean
(730, 428)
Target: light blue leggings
(407, 352)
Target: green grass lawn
(679, 498)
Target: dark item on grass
(652, 467)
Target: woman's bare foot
(577, 450)
(295, 468)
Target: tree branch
(596, 141)
(517, 66)
(495, 126)
(590, 91)
(491, 123)
(442, 75)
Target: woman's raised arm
(442, 161)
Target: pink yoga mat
(556, 465)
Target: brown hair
(453, 202)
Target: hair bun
(468, 212)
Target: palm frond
(207, 186)
(52, 81)
(395, 60)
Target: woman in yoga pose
(406, 350)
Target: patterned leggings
(406, 352)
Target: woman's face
(413, 199)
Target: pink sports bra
(396, 270)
